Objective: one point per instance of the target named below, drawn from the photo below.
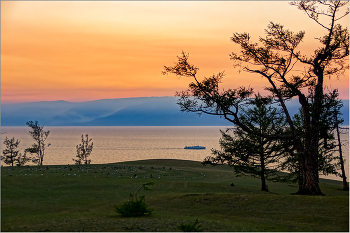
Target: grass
(82, 198)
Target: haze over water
(127, 143)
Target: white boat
(195, 147)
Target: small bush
(134, 208)
(192, 227)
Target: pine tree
(11, 155)
(251, 154)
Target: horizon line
(84, 101)
(68, 101)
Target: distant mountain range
(143, 111)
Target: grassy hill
(82, 198)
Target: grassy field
(82, 198)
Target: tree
(84, 150)
(23, 159)
(327, 162)
(334, 114)
(275, 58)
(249, 153)
(11, 155)
(39, 136)
(342, 161)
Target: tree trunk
(263, 181)
(343, 175)
(308, 163)
(12, 158)
(262, 174)
(308, 159)
(309, 180)
(40, 154)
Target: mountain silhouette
(142, 111)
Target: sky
(88, 50)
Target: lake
(126, 143)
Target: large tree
(39, 136)
(327, 162)
(275, 58)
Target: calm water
(117, 144)
(127, 143)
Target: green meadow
(83, 197)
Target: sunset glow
(79, 51)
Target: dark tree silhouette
(39, 136)
(342, 161)
(252, 154)
(327, 162)
(84, 150)
(335, 116)
(23, 159)
(11, 155)
(274, 58)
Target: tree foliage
(327, 162)
(39, 136)
(275, 58)
(11, 155)
(135, 207)
(334, 115)
(84, 150)
(251, 154)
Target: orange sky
(78, 51)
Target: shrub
(192, 227)
(134, 208)
(137, 207)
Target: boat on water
(195, 147)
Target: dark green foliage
(84, 150)
(333, 107)
(327, 162)
(192, 227)
(134, 207)
(251, 154)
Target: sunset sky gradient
(79, 51)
